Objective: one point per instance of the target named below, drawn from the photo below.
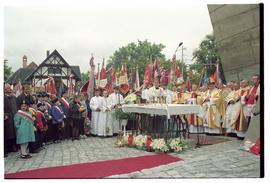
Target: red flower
(148, 143)
(255, 149)
(130, 139)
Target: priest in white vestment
(155, 91)
(105, 125)
(116, 101)
(233, 108)
(211, 106)
(95, 105)
(145, 93)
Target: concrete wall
(237, 32)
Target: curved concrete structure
(237, 31)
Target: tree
(141, 53)
(7, 70)
(207, 53)
(85, 77)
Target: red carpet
(97, 169)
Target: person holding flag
(57, 119)
(65, 107)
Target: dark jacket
(10, 109)
(74, 110)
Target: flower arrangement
(130, 140)
(139, 141)
(125, 139)
(120, 141)
(159, 145)
(144, 142)
(148, 143)
(131, 98)
(177, 145)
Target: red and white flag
(51, 85)
(91, 81)
(137, 79)
(123, 80)
(113, 75)
(179, 75)
(18, 88)
(147, 79)
(155, 69)
(102, 76)
(71, 88)
(188, 85)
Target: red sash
(32, 109)
(64, 102)
(24, 114)
(59, 110)
(39, 115)
(47, 104)
(252, 95)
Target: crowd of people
(225, 109)
(33, 121)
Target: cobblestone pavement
(220, 160)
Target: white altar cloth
(162, 109)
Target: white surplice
(116, 99)
(95, 103)
(105, 125)
(155, 92)
(145, 95)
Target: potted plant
(123, 117)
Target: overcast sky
(78, 31)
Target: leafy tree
(140, 54)
(7, 70)
(207, 53)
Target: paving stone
(146, 171)
(219, 160)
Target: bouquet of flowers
(159, 145)
(125, 140)
(131, 98)
(120, 140)
(177, 145)
(130, 140)
(139, 141)
(148, 143)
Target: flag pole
(98, 76)
(202, 75)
